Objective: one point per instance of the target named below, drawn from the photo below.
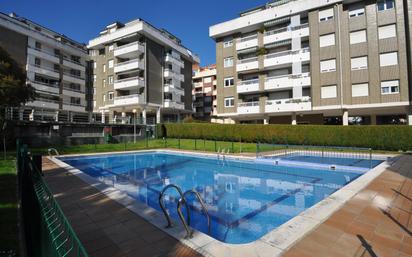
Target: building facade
(316, 62)
(204, 93)
(55, 67)
(140, 73)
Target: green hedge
(390, 137)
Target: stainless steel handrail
(50, 150)
(162, 206)
(202, 204)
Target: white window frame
(227, 42)
(226, 62)
(229, 79)
(358, 90)
(330, 69)
(385, 5)
(94, 77)
(111, 63)
(111, 48)
(383, 57)
(327, 40)
(356, 37)
(229, 102)
(356, 12)
(330, 91)
(104, 97)
(391, 85)
(324, 15)
(94, 64)
(388, 33)
(110, 80)
(353, 61)
(104, 67)
(104, 82)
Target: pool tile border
(275, 243)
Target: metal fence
(47, 230)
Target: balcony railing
(74, 104)
(248, 82)
(247, 60)
(44, 51)
(72, 61)
(127, 79)
(277, 31)
(126, 62)
(244, 39)
(73, 89)
(248, 104)
(56, 85)
(127, 45)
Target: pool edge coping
(274, 243)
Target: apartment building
(316, 62)
(204, 92)
(140, 73)
(55, 67)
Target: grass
(9, 245)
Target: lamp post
(134, 125)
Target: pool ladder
(50, 151)
(182, 201)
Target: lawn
(9, 245)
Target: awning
(279, 43)
(275, 22)
(248, 50)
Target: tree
(13, 88)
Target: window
(37, 45)
(111, 96)
(387, 31)
(360, 90)
(385, 5)
(111, 47)
(229, 82)
(228, 42)
(94, 78)
(327, 40)
(328, 65)
(228, 62)
(104, 83)
(104, 67)
(94, 104)
(390, 87)
(207, 80)
(104, 97)
(110, 79)
(94, 91)
(356, 12)
(357, 37)
(328, 92)
(326, 15)
(358, 63)
(75, 100)
(111, 63)
(229, 102)
(388, 59)
(94, 65)
(37, 61)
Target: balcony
(288, 105)
(286, 57)
(128, 100)
(248, 108)
(173, 104)
(129, 83)
(174, 60)
(246, 42)
(170, 74)
(44, 104)
(45, 87)
(169, 88)
(287, 81)
(131, 50)
(43, 54)
(247, 64)
(72, 78)
(247, 86)
(285, 33)
(74, 107)
(73, 64)
(131, 65)
(45, 71)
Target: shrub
(392, 138)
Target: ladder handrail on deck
(50, 150)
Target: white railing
(290, 76)
(127, 79)
(45, 68)
(248, 60)
(72, 61)
(304, 99)
(244, 39)
(276, 31)
(44, 51)
(248, 82)
(127, 97)
(56, 85)
(288, 52)
(119, 64)
(127, 45)
(248, 104)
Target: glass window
(229, 102)
(390, 87)
(326, 15)
(110, 79)
(360, 90)
(328, 91)
(388, 59)
(327, 40)
(328, 65)
(228, 62)
(385, 5)
(111, 63)
(358, 63)
(228, 42)
(387, 31)
(356, 37)
(229, 82)
(111, 95)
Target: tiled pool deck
(375, 222)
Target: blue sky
(82, 20)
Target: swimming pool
(245, 199)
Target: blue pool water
(245, 199)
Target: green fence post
(215, 146)
(233, 146)
(179, 142)
(195, 144)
